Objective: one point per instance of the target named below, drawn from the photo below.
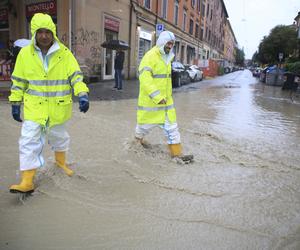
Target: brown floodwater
(242, 191)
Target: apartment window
(176, 48)
(184, 21)
(191, 30)
(193, 3)
(201, 33)
(207, 10)
(197, 30)
(176, 10)
(203, 10)
(198, 5)
(147, 4)
(164, 9)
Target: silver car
(195, 72)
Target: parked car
(179, 75)
(256, 72)
(263, 74)
(195, 72)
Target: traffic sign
(159, 28)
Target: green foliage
(220, 70)
(239, 57)
(282, 39)
(293, 67)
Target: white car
(195, 72)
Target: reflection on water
(245, 108)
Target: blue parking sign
(159, 28)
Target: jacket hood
(164, 37)
(42, 21)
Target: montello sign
(43, 7)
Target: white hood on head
(163, 39)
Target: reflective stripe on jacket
(155, 85)
(47, 96)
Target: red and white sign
(111, 24)
(44, 7)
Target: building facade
(200, 27)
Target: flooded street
(242, 191)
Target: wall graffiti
(86, 43)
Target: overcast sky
(251, 20)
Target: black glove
(16, 112)
(84, 103)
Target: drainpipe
(72, 11)
(156, 18)
(129, 40)
(70, 24)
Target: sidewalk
(4, 89)
(104, 90)
(98, 91)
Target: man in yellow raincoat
(43, 78)
(155, 103)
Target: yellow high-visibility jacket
(155, 85)
(47, 95)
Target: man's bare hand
(163, 101)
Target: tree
(282, 39)
(239, 57)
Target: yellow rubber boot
(60, 158)
(175, 150)
(26, 185)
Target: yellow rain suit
(155, 85)
(47, 94)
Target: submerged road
(242, 191)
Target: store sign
(145, 35)
(111, 24)
(43, 7)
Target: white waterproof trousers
(32, 141)
(170, 130)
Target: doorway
(109, 56)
